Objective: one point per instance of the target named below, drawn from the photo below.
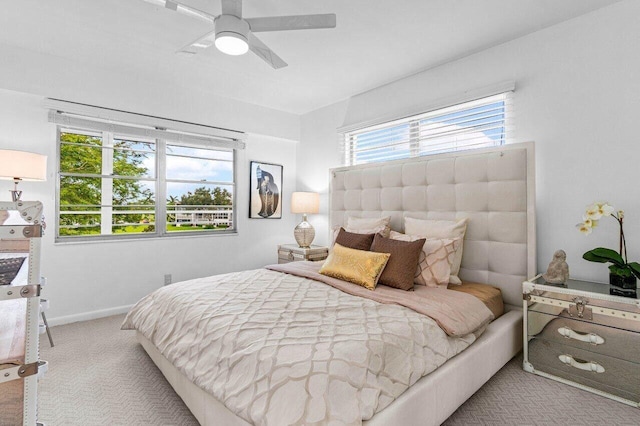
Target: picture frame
(265, 190)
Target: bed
(493, 188)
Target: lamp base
(15, 194)
(304, 233)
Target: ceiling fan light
(231, 43)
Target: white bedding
(279, 349)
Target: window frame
(414, 140)
(160, 182)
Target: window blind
(475, 124)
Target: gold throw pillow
(355, 266)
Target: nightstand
(292, 253)
(584, 334)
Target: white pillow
(434, 265)
(427, 228)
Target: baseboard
(86, 316)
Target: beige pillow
(355, 266)
(369, 225)
(427, 228)
(364, 225)
(434, 264)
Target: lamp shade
(305, 202)
(22, 165)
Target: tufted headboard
(493, 187)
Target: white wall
(86, 280)
(92, 279)
(119, 88)
(317, 152)
(577, 96)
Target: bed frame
(492, 187)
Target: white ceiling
(375, 41)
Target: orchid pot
(622, 273)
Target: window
(476, 124)
(115, 182)
(199, 187)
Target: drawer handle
(580, 309)
(290, 256)
(582, 365)
(592, 338)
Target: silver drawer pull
(582, 365)
(592, 338)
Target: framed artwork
(265, 191)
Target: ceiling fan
(233, 34)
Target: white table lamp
(305, 203)
(22, 165)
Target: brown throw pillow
(354, 241)
(403, 262)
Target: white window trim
(162, 137)
(347, 133)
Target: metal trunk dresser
(584, 334)
(293, 253)
(20, 308)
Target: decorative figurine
(558, 270)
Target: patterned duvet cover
(280, 349)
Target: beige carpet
(100, 375)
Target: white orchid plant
(619, 265)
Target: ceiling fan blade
(180, 7)
(298, 22)
(200, 44)
(260, 49)
(232, 7)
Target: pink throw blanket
(458, 314)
